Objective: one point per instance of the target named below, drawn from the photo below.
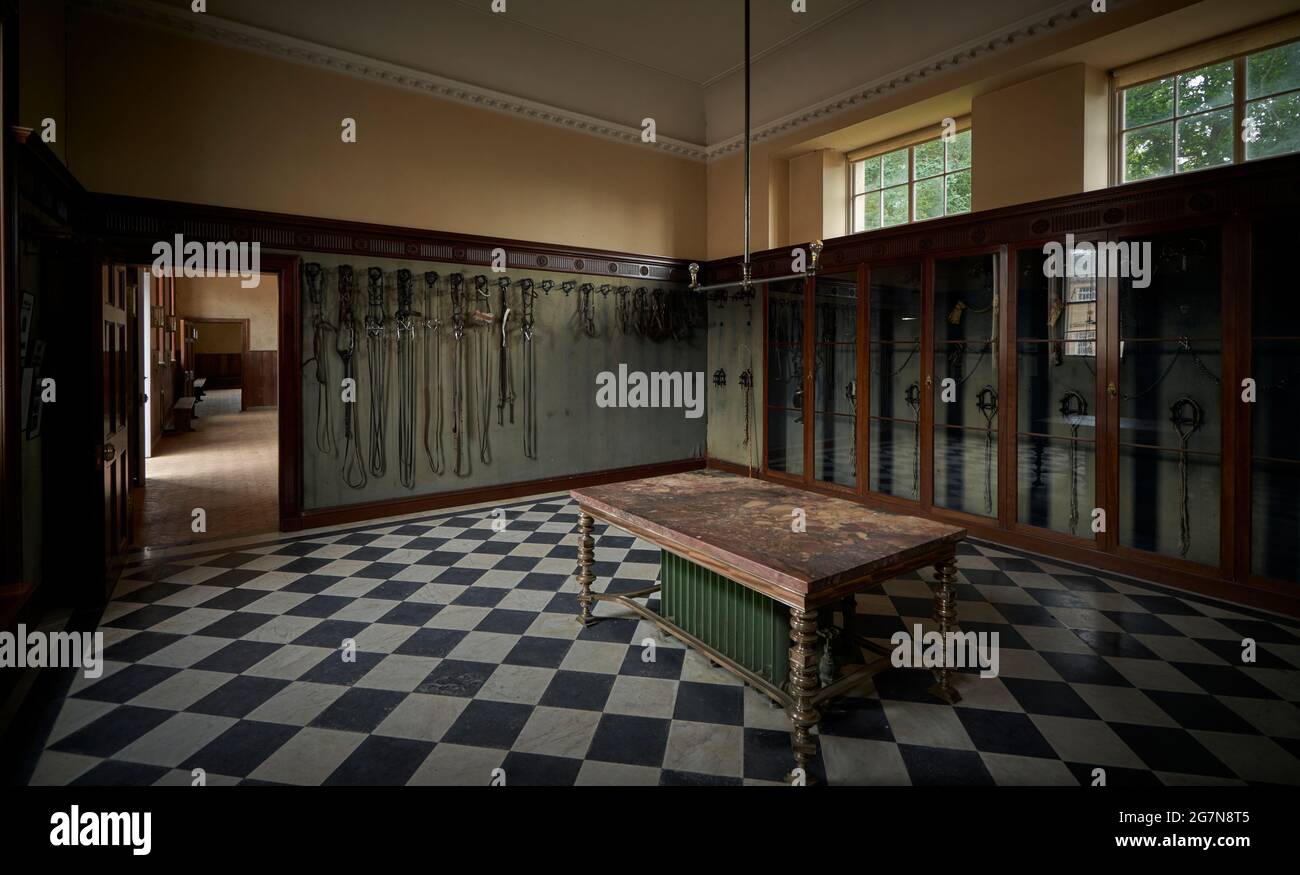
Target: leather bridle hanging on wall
(587, 310)
(505, 370)
(314, 278)
(404, 325)
(656, 315)
(433, 375)
(483, 317)
(459, 375)
(527, 303)
(354, 468)
(377, 359)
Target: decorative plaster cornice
(228, 33)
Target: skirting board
(350, 513)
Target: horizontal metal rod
(767, 279)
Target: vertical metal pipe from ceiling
(745, 269)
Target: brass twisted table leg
(804, 684)
(586, 552)
(945, 614)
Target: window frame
(910, 142)
(1237, 105)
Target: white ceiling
(677, 61)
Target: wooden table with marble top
(748, 561)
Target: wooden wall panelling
(289, 411)
(43, 205)
(128, 218)
(260, 378)
(1271, 184)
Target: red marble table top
(745, 523)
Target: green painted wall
(575, 436)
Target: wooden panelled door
(118, 393)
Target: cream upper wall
(155, 114)
(805, 197)
(225, 298)
(42, 85)
(1028, 141)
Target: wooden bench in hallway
(183, 414)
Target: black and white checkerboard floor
(468, 659)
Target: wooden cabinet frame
(1227, 202)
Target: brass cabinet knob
(1111, 390)
(110, 452)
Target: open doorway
(210, 374)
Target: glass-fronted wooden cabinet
(812, 380)
(1075, 391)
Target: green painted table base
(741, 624)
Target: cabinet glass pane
(1170, 392)
(1275, 520)
(1055, 483)
(835, 454)
(1170, 387)
(1153, 515)
(1179, 296)
(1061, 307)
(835, 381)
(785, 440)
(784, 343)
(971, 398)
(784, 395)
(835, 368)
(894, 369)
(965, 470)
(964, 298)
(894, 459)
(1275, 415)
(895, 372)
(1275, 430)
(965, 383)
(1056, 392)
(895, 302)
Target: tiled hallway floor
(468, 659)
(228, 466)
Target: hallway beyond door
(227, 466)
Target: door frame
(102, 277)
(245, 351)
(285, 268)
(135, 328)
